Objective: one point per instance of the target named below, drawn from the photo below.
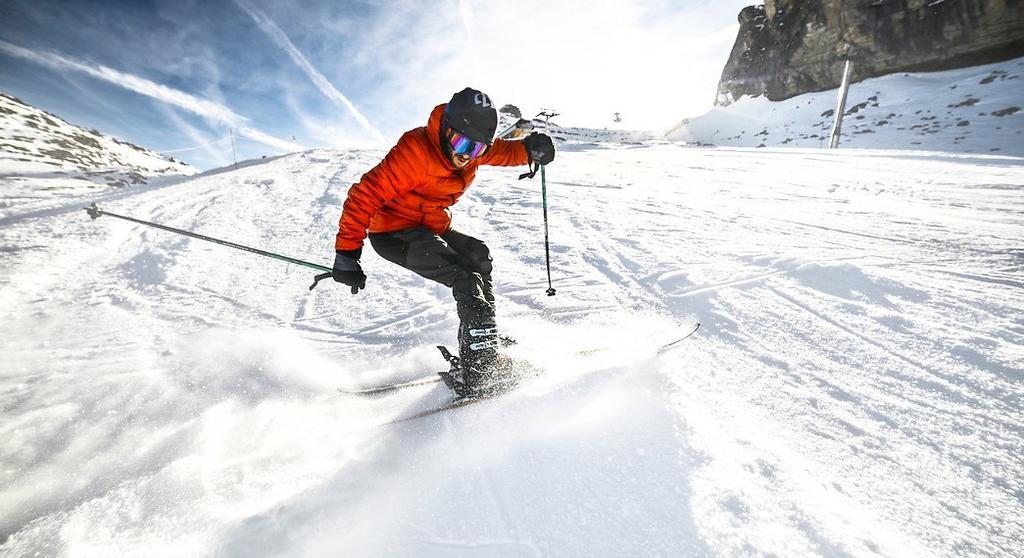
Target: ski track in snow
(855, 388)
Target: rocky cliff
(789, 47)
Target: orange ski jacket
(415, 185)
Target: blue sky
(179, 76)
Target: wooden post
(841, 106)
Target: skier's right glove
(347, 269)
(540, 148)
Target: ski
(501, 388)
(660, 350)
(435, 378)
(386, 388)
(673, 344)
(459, 402)
(454, 404)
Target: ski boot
(453, 378)
(474, 381)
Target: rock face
(789, 47)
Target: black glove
(540, 148)
(347, 269)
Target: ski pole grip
(533, 171)
(318, 278)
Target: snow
(855, 388)
(44, 159)
(978, 109)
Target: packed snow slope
(971, 110)
(43, 158)
(855, 389)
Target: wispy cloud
(466, 15)
(267, 139)
(652, 60)
(214, 153)
(278, 36)
(195, 147)
(202, 107)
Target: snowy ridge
(972, 110)
(574, 138)
(570, 136)
(854, 389)
(44, 157)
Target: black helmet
(471, 113)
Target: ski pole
(547, 249)
(95, 213)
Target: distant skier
(404, 203)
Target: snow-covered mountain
(573, 137)
(43, 157)
(972, 110)
(570, 137)
(855, 389)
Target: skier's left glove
(540, 148)
(347, 269)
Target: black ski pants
(453, 259)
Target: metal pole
(233, 156)
(841, 106)
(96, 213)
(547, 248)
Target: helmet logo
(482, 100)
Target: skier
(404, 204)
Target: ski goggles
(462, 145)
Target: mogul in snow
(404, 204)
